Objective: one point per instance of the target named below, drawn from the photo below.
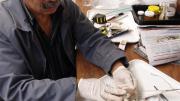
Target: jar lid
(149, 13)
(140, 12)
(153, 8)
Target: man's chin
(50, 11)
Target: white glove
(101, 89)
(124, 77)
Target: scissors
(150, 93)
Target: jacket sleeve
(16, 84)
(94, 46)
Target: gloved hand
(124, 77)
(102, 89)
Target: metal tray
(142, 20)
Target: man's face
(43, 6)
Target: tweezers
(118, 34)
(150, 93)
(161, 95)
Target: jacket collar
(16, 11)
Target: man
(37, 54)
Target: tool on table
(118, 33)
(99, 19)
(116, 16)
(161, 95)
(151, 93)
(100, 22)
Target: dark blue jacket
(22, 62)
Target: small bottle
(171, 8)
(163, 8)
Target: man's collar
(19, 17)
(28, 13)
(14, 7)
(30, 16)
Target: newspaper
(162, 45)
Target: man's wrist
(116, 65)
